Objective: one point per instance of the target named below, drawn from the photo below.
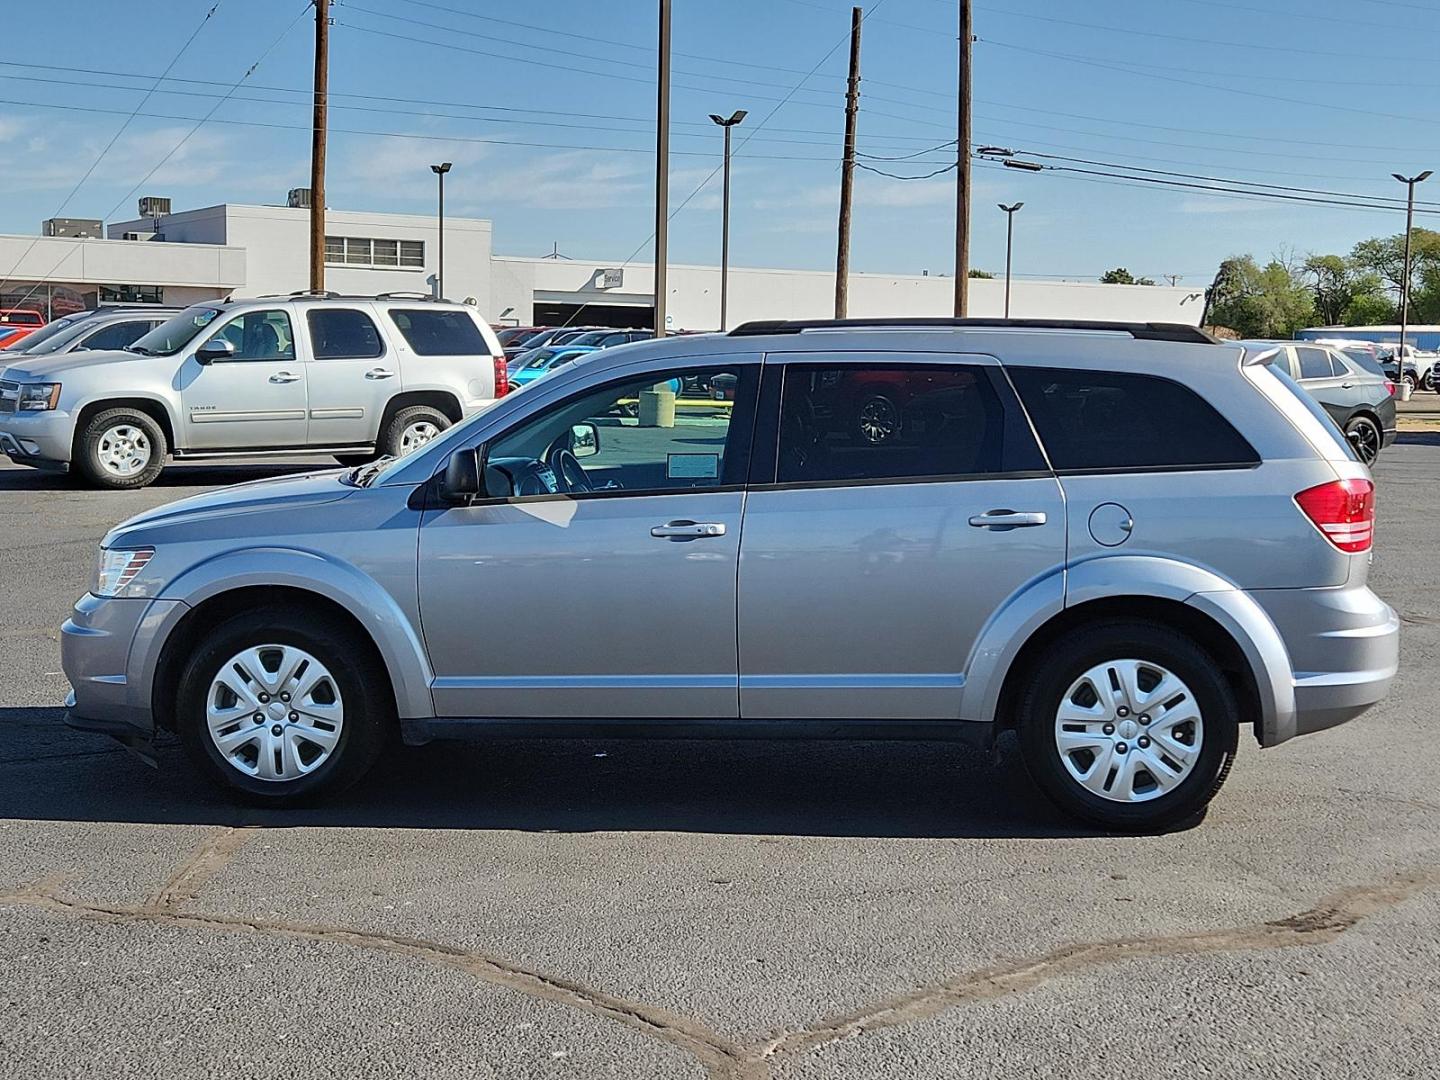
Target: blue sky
(547, 111)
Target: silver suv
(1122, 541)
(353, 376)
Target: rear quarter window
(1094, 421)
(440, 333)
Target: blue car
(529, 366)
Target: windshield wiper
(139, 349)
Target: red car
(17, 323)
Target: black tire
(1364, 436)
(369, 716)
(1409, 378)
(1076, 652)
(1428, 381)
(393, 437)
(92, 442)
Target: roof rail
(1147, 331)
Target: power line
(897, 176)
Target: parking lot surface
(688, 909)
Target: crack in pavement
(722, 1058)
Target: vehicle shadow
(764, 787)
(1419, 438)
(184, 474)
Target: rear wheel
(411, 428)
(1364, 436)
(281, 705)
(1129, 725)
(121, 448)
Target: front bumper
(107, 654)
(40, 439)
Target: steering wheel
(567, 468)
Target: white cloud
(1203, 205)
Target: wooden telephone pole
(317, 146)
(847, 170)
(962, 168)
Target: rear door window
(440, 333)
(1096, 421)
(911, 422)
(343, 334)
(1314, 363)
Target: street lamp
(440, 171)
(1409, 183)
(1009, 241)
(735, 118)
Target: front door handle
(379, 373)
(1008, 519)
(284, 377)
(688, 530)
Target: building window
(131, 294)
(385, 254)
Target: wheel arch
(240, 582)
(155, 408)
(443, 400)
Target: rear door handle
(1008, 519)
(688, 530)
(284, 377)
(379, 373)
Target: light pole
(1009, 241)
(440, 171)
(735, 118)
(1409, 183)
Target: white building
(217, 251)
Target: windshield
(57, 341)
(174, 334)
(31, 343)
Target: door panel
(256, 398)
(570, 608)
(351, 377)
(864, 602)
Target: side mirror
(217, 348)
(460, 482)
(584, 440)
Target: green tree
(1266, 302)
(1385, 255)
(1118, 276)
(980, 274)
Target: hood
(253, 496)
(33, 368)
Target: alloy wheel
(1365, 438)
(274, 712)
(1129, 731)
(879, 420)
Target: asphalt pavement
(669, 909)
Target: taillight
(1344, 510)
(502, 377)
(1389, 387)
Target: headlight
(117, 568)
(40, 396)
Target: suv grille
(9, 396)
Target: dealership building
(189, 256)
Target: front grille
(9, 396)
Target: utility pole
(847, 168)
(1173, 278)
(962, 167)
(1009, 243)
(735, 118)
(440, 171)
(662, 170)
(317, 146)
(1409, 182)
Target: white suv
(352, 376)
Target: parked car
(23, 317)
(1122, 541)
(104, 328)
(516, 335)
(1414, 368)
(11, 333)
(554, 335)
(1358, 399)
(349, 376)
(542, 361)
(606, 338)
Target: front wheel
(1364, 436)
(1129, 725)
(281, 705)
(1428, 380)
(121, 448)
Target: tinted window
(440, 333)
(922, 421)
(1314, 363)
(260, 335)
(705, 448)
(1366, 359)
(343, 334)
(1113, 420)
(117, 335)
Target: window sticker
(692, 466)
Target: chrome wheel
(1129, 731)
(274, 712)
(879, 420)
(417, 435)
(124, 450)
